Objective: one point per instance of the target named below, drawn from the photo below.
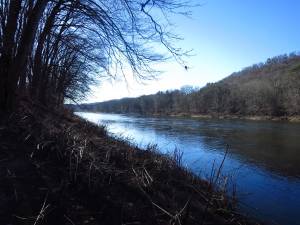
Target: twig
(186, 204)
(42, 211)
(221, 165)
(69, 219)
(151, 179)
(163, 210)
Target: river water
(262, 163)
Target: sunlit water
(263, 157)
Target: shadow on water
(263, 159)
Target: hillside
(264, 89)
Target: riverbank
(59, 169)
(293, 119)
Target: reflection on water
(264, 157)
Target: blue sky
(226, 36)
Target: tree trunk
(37, 69)
(18, 66)
(7, 52)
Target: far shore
(292, 119)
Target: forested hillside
(265, 89)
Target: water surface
(263, 158)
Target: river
(263, 159)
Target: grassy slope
(56, 168)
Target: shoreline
(290, 119)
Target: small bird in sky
(186, 68)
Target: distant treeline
(270, 89)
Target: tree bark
(37, 69)
(7, 52)
(18, 66)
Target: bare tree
(51, 49)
